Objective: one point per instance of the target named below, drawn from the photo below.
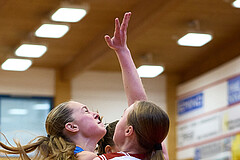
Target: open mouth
(100, 119)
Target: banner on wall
(205, 129)
(228, 148)
(190, 103)
(198, 130)
(234, 90)
(220, 150)
(209, 122)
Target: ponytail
(19, 149)
(57, 148)
(47, 148)
(157, 155)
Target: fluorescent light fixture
(195, 39)
(236, 4)
(17, 111)
(149, 71)
(52, 31)
(31, 50)
(41, 107)
(68, 14)
(13, 64)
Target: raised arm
(132, 83)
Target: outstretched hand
(119, 40)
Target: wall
(103, 91)
(33, 82)
(208, 111)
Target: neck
(87, 144)
(131, 146)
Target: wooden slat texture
(154, 28)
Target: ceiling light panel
(17, 111)
(13, 64)
(68, 15)
(236, 4)
(195, 39)
(52, 31)
(149, 71)
(31, 50)
(41, 107)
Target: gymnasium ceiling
(154, 28)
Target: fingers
(119, 38)
(125, 21)
(108, 40)
(117, 28)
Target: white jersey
(121, 156)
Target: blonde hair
(151, 125)
(56, 146)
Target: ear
(108, 149)
(129, 131)
(71, 127)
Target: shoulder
(109, 156)
(117, 156)
(86, 155)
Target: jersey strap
(78, 150)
